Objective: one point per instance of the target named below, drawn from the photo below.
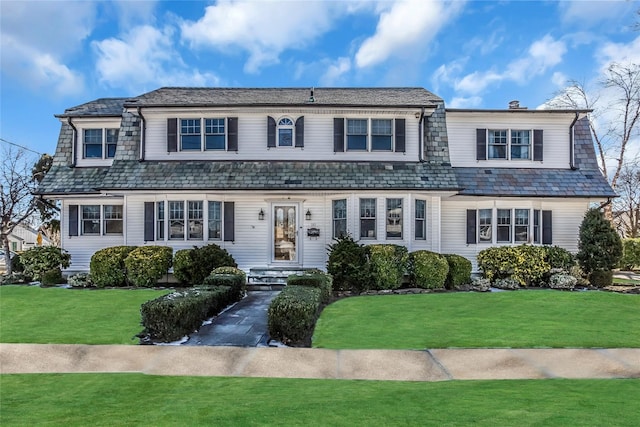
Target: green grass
(621, 281)
(135, 399)
(521, 319)
(29, 314)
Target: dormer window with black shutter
(285, 132)
(369, 135)
(202, 134)
(509, 144)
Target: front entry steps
(271, 278)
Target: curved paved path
(406, 365)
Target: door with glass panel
(285, 233)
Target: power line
(20, 146)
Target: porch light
(308, 215)
(261, 215)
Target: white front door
(285, 233)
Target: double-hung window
(214, 135)
(520, 144)
(112, 217)
(484, 225)
(497, 144)
(503, 226)
(195, 224)
(381, 135)
(93, 143)
(176, 220)
(357, 134)
(160, 221)
(112, 141)
(521, 225)
(339, 218)
(394, 218)
(368, 218)
(190, 138)
(285, 132)
(420, 220)
(90, 220)
(215, 220)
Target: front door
(285, 233)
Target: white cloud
(462, 102)
(335, 71)
(559, 79)
(37, 37)
(446, 73)
(144, 58)
(619, 53)
(406, 26)
(591, 13)
(130, 13)
(262, 29)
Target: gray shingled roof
(67, 180)
(254, 175)
(364, 97)
(532, 182)
(103, 107)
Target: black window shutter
(547, 235)
(148, 221)
(471, 226)
(172, 135)
(271, 132)
(229, 227)
(73, 220)
(400, 135)
(338, 135)
(481, 144)
(537, 145)
(300, 132)
(232, 136)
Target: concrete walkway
(244, 324)
(406, 365)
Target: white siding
(566, 216)
(461, 130)
(252, 137)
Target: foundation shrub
(52, 277)
(525, 264)
(318, 280)
(428, 269)
(107, 267)
(388, 264)
(348, 265)
(459, 271)
(497, 262)
(600, 278)
(171, 317)
(559, 258)
(293, 313)
(41, 259)
(630, 254)
(192, 266)
(146, 264)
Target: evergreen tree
(599, 249)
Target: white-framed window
(394, 219)
(514, 144)
(99, 143)
(485, 231)
(176, 220)
(112, 219)
(189, 220)
(160, 217)
(521, 225)
(285, 132)
(368, 218)
(503, 226)
(339, 209)
(90, 220)
(516, 226)
(196, 217)
(420, 217)
(381, 135)
(192, 138)
(215, 220)
(357, 132)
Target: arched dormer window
(285, 132)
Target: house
(24, 237)
(273, 175)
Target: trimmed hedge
(630, 254)
(459, 271)
(293, 313)
(428, 269)
(192, 266)
(318, 280)
(525, 263)
(146, 264)
(388, 264)
(175, 315)
(236, 281)
(107, 266)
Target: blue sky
(474, 54)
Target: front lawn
(135, 399)
(29, 314)
(519, 319)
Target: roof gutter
(421, 136)
(74, 142)
(572, 142)
(143, 134)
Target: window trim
(286, 126)
(368, 218)
(100, 220)
(370, 135)
(509, 144)
(162, 223)
(399, 218)
(119, 220)
(335, 219)
(104, 143)
(423, 219)
(534, 226)
(202, 134)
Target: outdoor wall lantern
(308, 215)
(261, 215)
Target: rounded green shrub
(525, 264)
(630, 254)
(348, 265)
(52, 277)
(388, 264)
(146, 264)
(293, 313)
(459, 271)
(230, 270)
(41, 259)
(318, 280)
(107, 267)
(531, 266)
(428, 269)
(192, 266)
(599, 248)
(559, 258)
(497, 262)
